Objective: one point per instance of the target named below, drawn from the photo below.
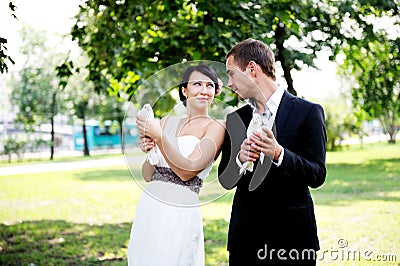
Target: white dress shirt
(268, 117)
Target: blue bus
(104, 135)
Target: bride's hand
(146, 144)
(149, 128)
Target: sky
(53, 16)
(56, 18)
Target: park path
(63, 166)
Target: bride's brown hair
(203, 69)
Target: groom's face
(239, 81)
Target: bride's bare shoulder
(216, 126)
(217, 123)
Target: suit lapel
(247, 115)
(285, 107)
(243, 117)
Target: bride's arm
(204, 152)
(147, 171)
(147, 144)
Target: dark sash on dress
(166, 174)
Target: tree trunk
(279, 40)
(52, 139)
(85, 142)
(392, 134)
(120, 123)
(289, 80)
(392, 129)
(389, 127)
(53, 111)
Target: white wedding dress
(168, 229)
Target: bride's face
(200, 90)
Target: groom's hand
(247, 153)
(266, 143)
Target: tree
(353, 123)
(125, 39)
(372, 63)
(36, 92)
(112, 108)
(83, 107)
(4, 57)
(83, 101)
(376, 89)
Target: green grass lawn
(57, 158)
(83, 217)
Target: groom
(272, 220)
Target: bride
(167, 229)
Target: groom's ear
(251, 68)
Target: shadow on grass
(62, 243)
(374, 180)
(58, 242)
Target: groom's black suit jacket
(279, 213)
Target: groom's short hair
(257, 51)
